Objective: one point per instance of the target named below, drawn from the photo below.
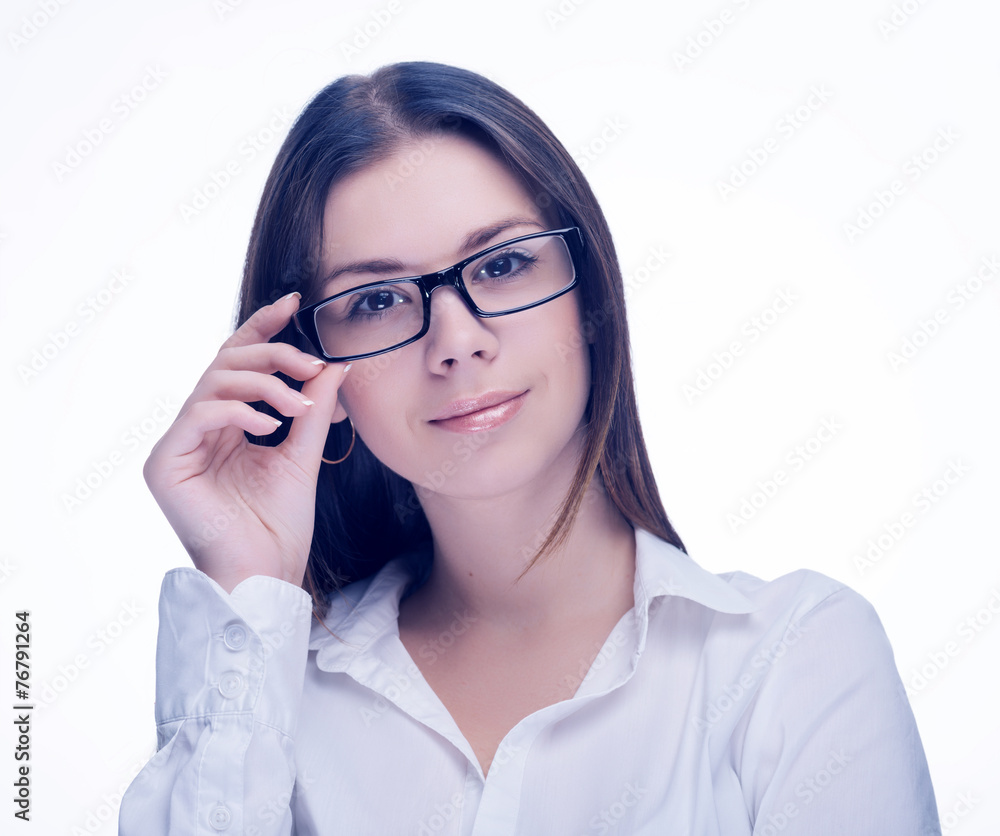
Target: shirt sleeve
(832, 746)
(229, 676)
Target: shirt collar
(368, 609)
(662, 569)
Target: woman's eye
(378, 301)
(503, 266)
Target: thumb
(308, 432)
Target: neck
(483, 547)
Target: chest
(488, 686)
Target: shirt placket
(613, 666)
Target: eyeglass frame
(305, 318)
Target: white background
(657, 136)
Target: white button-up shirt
(722, 705)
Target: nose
(456, 334)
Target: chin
(476, 468)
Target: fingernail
(306, 401)
(319, 362)
(347, 368)
(290, 295)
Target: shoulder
(819, 622)
(742, 606)
(820, 696)
(809, 644)
(803, 595)
(735, 623)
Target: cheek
(573, 359)
(567, 344)
(373, 393)
(366, 377)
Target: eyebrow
(475, 240)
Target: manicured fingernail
(290, 295)
(277, 423)
(306, 401)
(347, 368)
(319, 362)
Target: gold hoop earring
(354, 435)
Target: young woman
(502, 632)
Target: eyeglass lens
(381, 316)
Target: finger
(188, 432)
(250, 387)
(308, 433)
(269, 358)
(266, 322)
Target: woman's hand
(241, 509)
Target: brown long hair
(365, 513)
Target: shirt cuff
(220, 653)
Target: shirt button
(235, 636)
(220, 818)
(230, 684)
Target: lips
(484, 412)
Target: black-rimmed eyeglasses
(380, 316)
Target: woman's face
(416, 208)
